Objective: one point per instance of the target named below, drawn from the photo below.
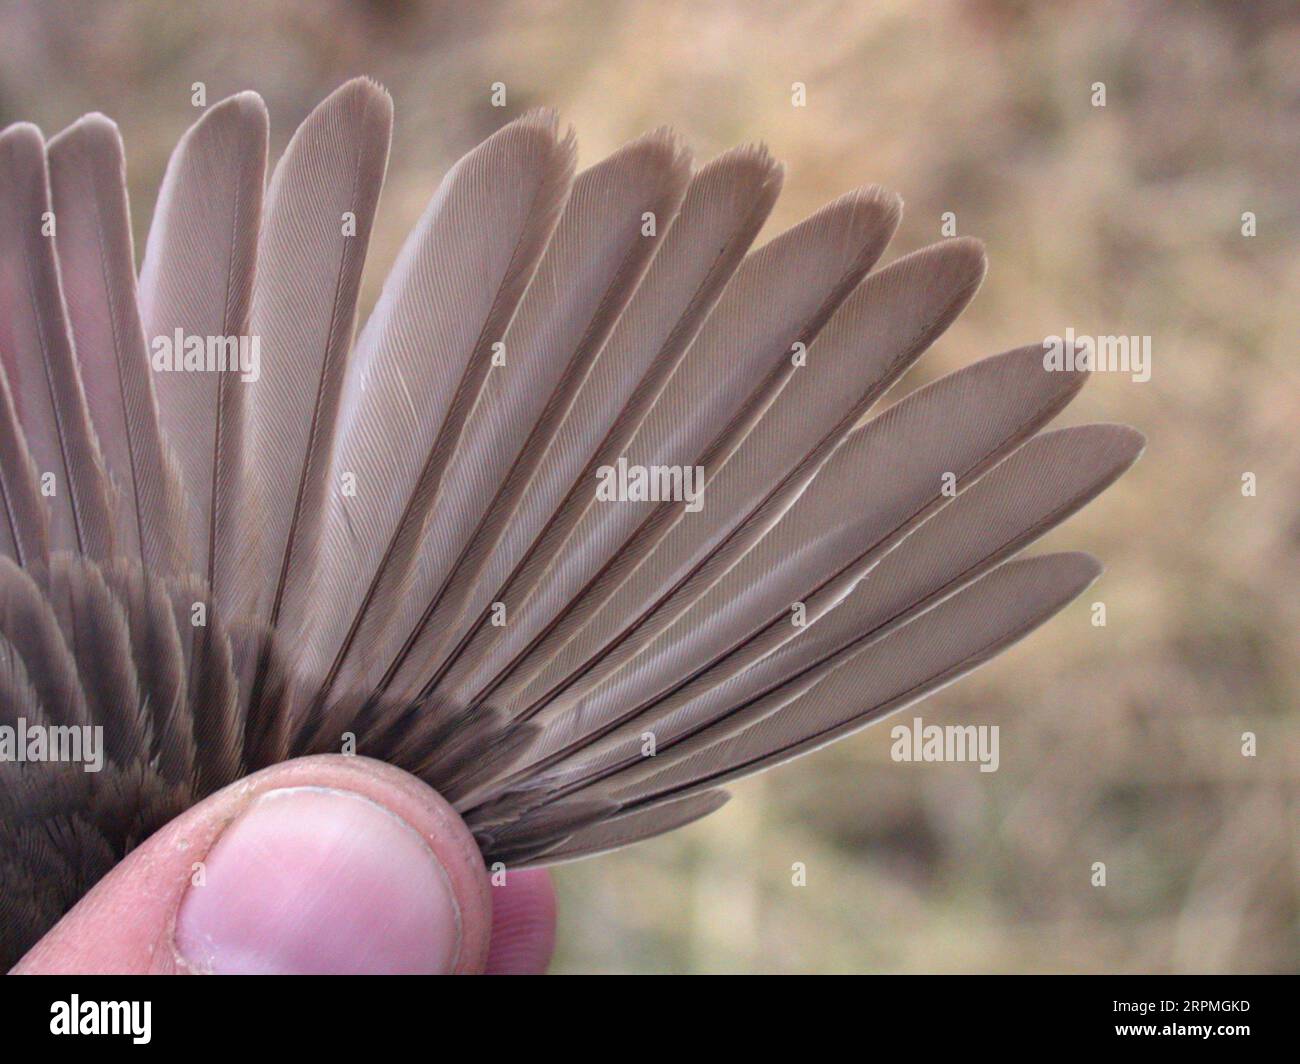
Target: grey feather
(97, 267)
(37, 355)
(197, 280)
(319, 212)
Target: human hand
(322, 865)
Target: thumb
(322, 865)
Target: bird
(599, 509)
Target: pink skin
(326, 864)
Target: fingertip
(523, 924)
(323, 864)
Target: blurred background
(1120, 744)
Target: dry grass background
(1119, 744)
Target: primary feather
(403, 539)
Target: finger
(523, 924)
(322, 865)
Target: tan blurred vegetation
(1119, 744)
